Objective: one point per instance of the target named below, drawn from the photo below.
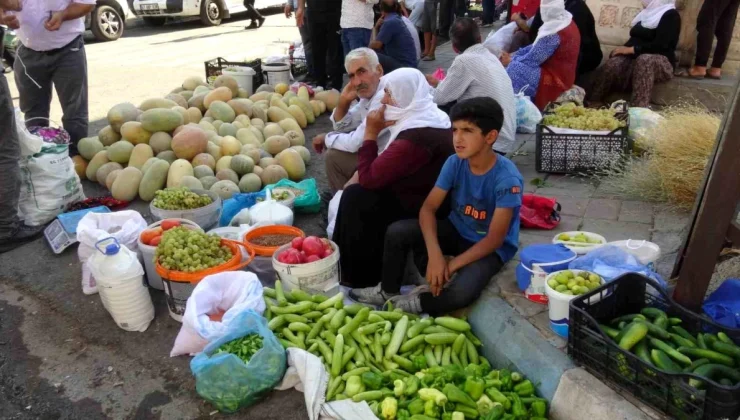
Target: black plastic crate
(667, 392)
(215, 67)
(298, 67)
(582, 153)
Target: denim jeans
(353, 38)
(462, 290)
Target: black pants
(466, 285)
(252, 13)
(716, 18)
(326, 43)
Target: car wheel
(106, 23)
(154, 21)
(211, 13)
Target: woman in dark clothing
(647, 58)
(393, 179)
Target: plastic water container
(647, 253)
(277, 73)
(206, 217)
(147, 254)
(559, 305)
(321, 276)
(242, 75)
(121, 286)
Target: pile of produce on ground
(569, 283)
(306, 250)
(576, 117)
(204, 136)
(663, 344)
(187, 250)
(403, 366)
(672, 167)
(243, 348)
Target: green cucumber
(675, 355)
(653, 313)
(663, 362)
(685, 334)
(643, 352)
(627, 318)
(661, 321)
(724, 338)
(609, 331)
(633, 334)
(726, 349)
(695, 364)
(674, 321)
(700, 341)
(681, 342)
(713, 356)
(714, 372)
(656, 331)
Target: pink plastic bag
(439, 74)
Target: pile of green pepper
(404, 367)
(243, 348)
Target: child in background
(481, 231)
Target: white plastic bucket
(647, 253)
(277, 73)
(206, 216)
(317, 277)
(243, 76)
(146, 253)
(559, 309)
(580, 250)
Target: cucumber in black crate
(635, 337)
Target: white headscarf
(415, 103)
(652, 13)
(554, 17)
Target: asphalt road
(61, 355)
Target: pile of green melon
(204, 136)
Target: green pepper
(538, 409)
(372, 380)
(421, 417)
(412, 386)
(485, 405)
(496, 413)
(524, 389)
(474, 370)
(431, 409)
(430, 394)
(474, 387)
(506, 380)
(416, 406)
(517, 406)
(447, 416)
(457, 395)
(403, 415)
(469, 413)
(420, 363)
(389, 408)
(498, 397)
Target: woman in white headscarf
(647, 58)
(394, 178)
(547, 68)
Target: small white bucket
(559, 306)
(277, 73)
(146, 252)
(647, 253)
(243, 76)
(317, 277)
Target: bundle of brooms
(676, 152)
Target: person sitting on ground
(394, 43)
(547, 68)
(364, 73)
(481, 231)
(393, 178)
(647, 58)
(409, 25)
(590, 54)
(475, 73)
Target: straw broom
(677, 151)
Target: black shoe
(22, 235)
(262, 22)
(252, 25)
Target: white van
(211, 12)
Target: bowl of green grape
(579, 242)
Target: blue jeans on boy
(353, 38)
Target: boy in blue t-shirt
(481, 231)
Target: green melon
(242, 164)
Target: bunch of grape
(180, 198)
(579, 118)
(187, 250)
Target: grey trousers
(10, 154)
(65, 69)
(340, 166)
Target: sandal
(429, 58)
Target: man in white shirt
(364, 72)
(52, 53)
(357, 23)
(475, 73)
(13, 232)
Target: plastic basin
(146, 252)
(206, 217)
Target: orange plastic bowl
(234, 264)
(267, 251)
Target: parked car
(211, 12)
(108, 19)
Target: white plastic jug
(121, 285)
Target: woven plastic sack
(226, 381)
(307, 202)
(527, 114)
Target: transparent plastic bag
(527, 114)
(611, 262)
(308, 201)
(226, 381)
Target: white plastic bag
(125, 226)
(30, 143)
(642, 120)
(500, 41)
(270, 212)
(333, 210)
(232, 293)
(527, 114)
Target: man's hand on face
(349, 93)
(319, 144)
(55, 22)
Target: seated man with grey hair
(364, 72)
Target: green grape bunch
(579, 118)
(187, 250)
(180, 198)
